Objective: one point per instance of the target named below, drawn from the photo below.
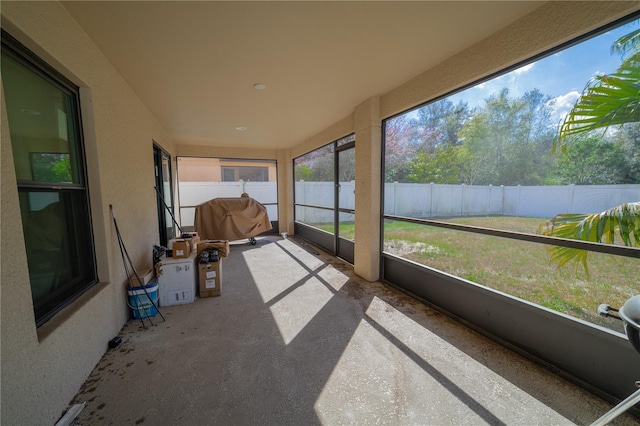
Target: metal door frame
(342, 248)
(158, 154)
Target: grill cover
(231, 219)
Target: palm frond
(626, 44)
(621, 222)
(607, 100)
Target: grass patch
(347, 230)
(519, 268)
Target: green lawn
(347, 229)
(522, 269)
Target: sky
(562, 75)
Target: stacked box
(221, 245)
(180, 247)
(210, 279)
(195, 240)
(142, 279)
(177, 280)
(183, 247)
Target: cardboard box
(195, 240)
(181, 248)
(145, 278)
(221, 245)
(192, 237)
(210, 279)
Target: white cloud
(561, 105)
(598, 74)
(524, 69)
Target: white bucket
(143, 300)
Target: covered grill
(231, 219)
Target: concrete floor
(297, 339)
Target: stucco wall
(200, 169)
(43, 369)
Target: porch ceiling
(194, 64)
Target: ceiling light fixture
(259, 86)
(241, 128)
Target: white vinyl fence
(423, 200)
(193, 193)
(433, 200)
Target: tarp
(231, 219)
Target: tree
(607, 100)
(347, 165)
(443, 166)
(302, 172)
(438, 124)
(398, 147)
(591, 161)
(62, 170)
(52, 167)
(628, 139)
(508, 140)
(316, 165)
(412, 140)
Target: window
(472, 181)
(324, 191)
(245, 173)
(46, 138)
(314, 188)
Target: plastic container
(139, 302)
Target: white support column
(367, 187)
(285, 191)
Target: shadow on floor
(296, 338)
